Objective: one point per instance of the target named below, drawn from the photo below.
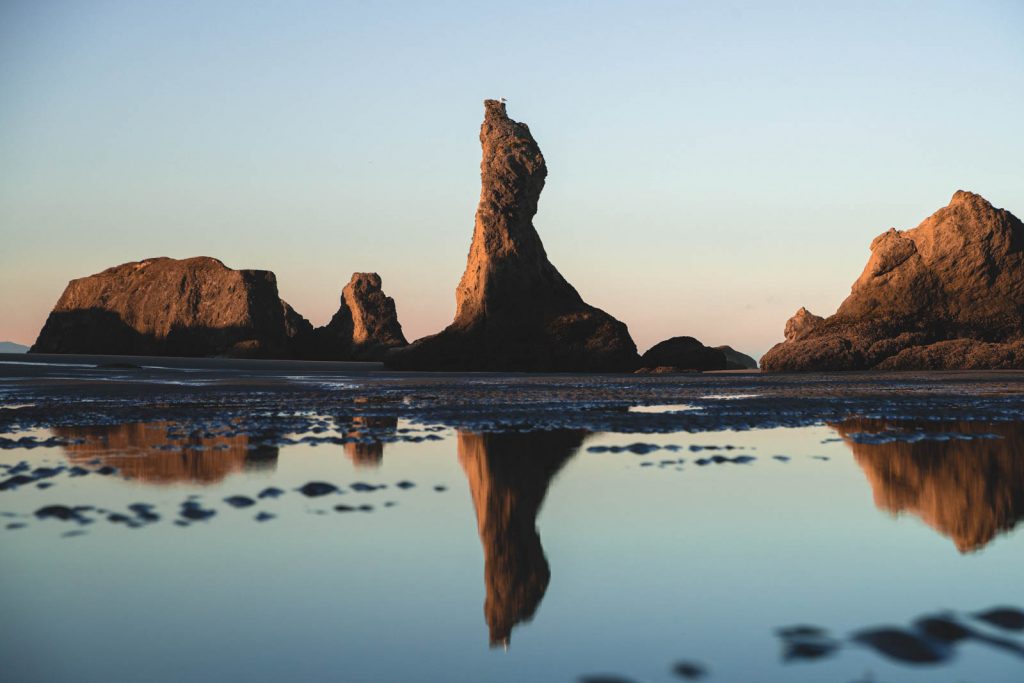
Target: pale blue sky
(712, 166)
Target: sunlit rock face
(515, 311)
(364, 328)
(170, 307)
(508, 477)
(969, 490)
(147, 452)
(948, 294)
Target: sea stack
(364, 328)
(170, 307)
(946, 295)
(514, 310)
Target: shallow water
(462, 545)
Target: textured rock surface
(364, 328)
(508, 477)
(164, 306)
(683, 353)
(734, 360)
(948, 294)
(969, 490)
(514, 310)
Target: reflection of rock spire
(508, 476)
(968, 490)
(145, 452)
(368, 453)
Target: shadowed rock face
(683, 353)
(734, 360)
(514, 310)
(948, 294)
(508, 476)
(163, 306)
(365, 326)
(968, 490)
(144, 452)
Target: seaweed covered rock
(948, 294)
(514, 309)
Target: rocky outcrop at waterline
(682, 354)
(963, 479)
(170, 307)
(514, 310)
(364, 328)
(734, 360)
(948, 294)
(509, 475)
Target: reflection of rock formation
(509, 475)
(969, 490)
(143, 451)
(368, 453)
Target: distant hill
(11, 347)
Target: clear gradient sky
(712, 166)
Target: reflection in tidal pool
(969, 489)
(654, 555)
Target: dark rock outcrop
(683, 353)
(948, 294)
(364, 328)
(734, 360)
(515, 311)
(169, 307)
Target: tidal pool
(301, 534)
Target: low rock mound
(515, 311)
(734, 360)
(681, 354)
(948, 294)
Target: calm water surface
(555, 555)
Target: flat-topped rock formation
(680, 354)
(164, 306)
(948, 294)
(515, 311)
(734, 360)
(364, 328)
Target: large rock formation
(681, 354)
(515, 311)
(948, 294)
(364, 328)
(163, 306)
(970, 490)
(509, 475)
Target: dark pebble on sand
(404, 485)
(263, 516)
(440, 487)
(344, 508)
(44, 484)
(106, 470)
(16, 525)
(61, 512)
(15, 481)
(900, 645)
(366, 508)
(781, 458)
(239, 501)
(688, 670)
(193, 511)
(314, 489)
(362, 487)
(77, 471)
(144, 511)
(1007, 618)
(271, 492)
